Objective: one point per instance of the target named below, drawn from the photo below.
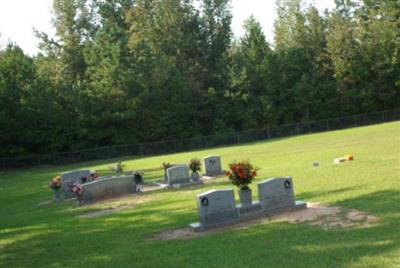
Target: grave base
(214, 174)
(254, 208)
(254, 211)
(185, 184)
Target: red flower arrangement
(241, 174)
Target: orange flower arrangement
(55, 183)
(241, 173)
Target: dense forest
(127, 71)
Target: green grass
(37, 235)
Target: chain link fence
(182, 145)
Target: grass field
(36, 234)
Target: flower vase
(57, 195)
(79, 198)
(195, 176)
(245, 197)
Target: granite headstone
(68, 178)
(178, 174)
(216, 207)
(276, 193)
(212, 165)
(108, 188)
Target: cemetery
(200, 133)
(265, 198)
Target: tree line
(127, 71)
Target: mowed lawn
(36, 234)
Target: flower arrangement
(83, 179)
(55, 183)
(94, 175)
(195, 165)
(241, 174)
(166, 165)
(76, 188)
(119, 167)
(138, 178)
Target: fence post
(383, 116)
(297, 129)
(237, 138)
(141, 149)
(39, 160)
(205, 139)
(327, 124)
(355, 120)
(3, 162)
(269, 133)
(175, 146)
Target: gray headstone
(216, 207)
(212, 165)
(108, 188)
(276, 193)
(178, 174)
(68, 178)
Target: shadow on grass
(121, 240)
(309, 195)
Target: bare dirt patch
(112, 206)
(316, 214)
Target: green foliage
(128, 71)
(195, 165)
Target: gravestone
(108, 188)
(167, 167)
(178, 174)
(276, 193)
(216, 207)
(68, 178)
(212, 165)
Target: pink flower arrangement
(76, 188)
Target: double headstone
(108, 188)
(212, 165)
(68, 178)
(218, 207)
